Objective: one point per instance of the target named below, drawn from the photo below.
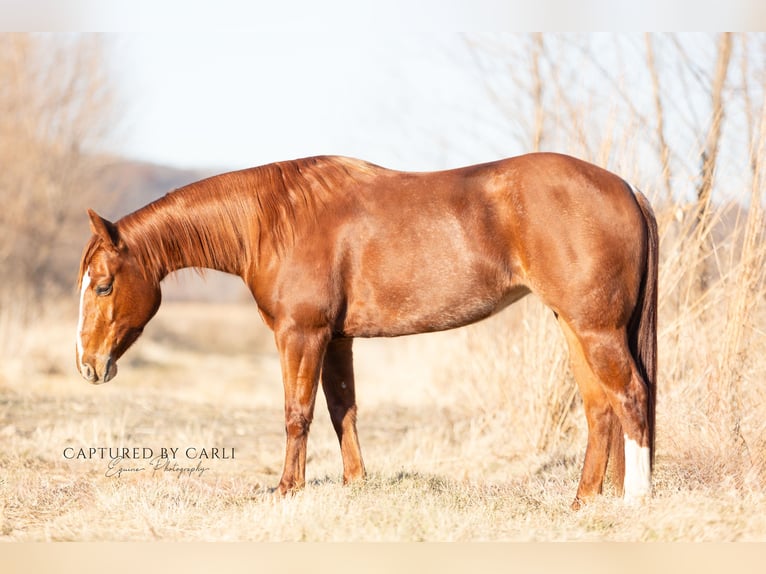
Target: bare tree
(54, 99)
(710, 150)
(513, 73)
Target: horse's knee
(297, 424)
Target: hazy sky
(257, 81)
(241, 98)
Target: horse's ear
(105, 229)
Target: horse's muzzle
(96, 375)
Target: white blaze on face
(638, 473)
(81, 319)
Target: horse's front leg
(338, 386)
(301, 351)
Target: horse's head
(117, 300)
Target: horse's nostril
(88, 372)
(110, 370)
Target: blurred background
(113, 121)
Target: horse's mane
(222, 222)
(292, 194)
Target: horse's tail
(642, 331)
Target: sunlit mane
(221, 222)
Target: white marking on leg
(638, 473)
(81, 319)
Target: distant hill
(128, 185)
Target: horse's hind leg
(613, 382)
(338, 386)
(604, 429)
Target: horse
(334, 248)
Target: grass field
(465, 437)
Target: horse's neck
(237, 221)
(188, 228)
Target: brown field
(469, 435)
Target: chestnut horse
(335, 248)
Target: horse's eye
(103, 290)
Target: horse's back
(438, 250)
(415, 252)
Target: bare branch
(660, 129)
(710, 151)
(537, 91)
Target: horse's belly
(392, 310)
